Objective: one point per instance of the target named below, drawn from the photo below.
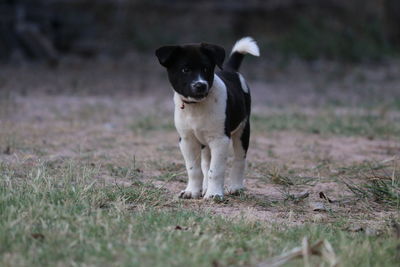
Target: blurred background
(332, 29)
(347, 50)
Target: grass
(55, 209)
(380, 183)
(169, 171)
(60, 212)
(284, 176)
(67, 217)
(275, 176)
(326, 122)
(147, 123)
(130, 171)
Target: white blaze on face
(199, 80)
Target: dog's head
(191, 67)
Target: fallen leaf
(38, 236)
(323, 196)
(318, 206)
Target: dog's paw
(235, 191)
(189, 194)
(216, 196)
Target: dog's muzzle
(199, 90)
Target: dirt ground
(50, 116)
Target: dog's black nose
(199, 87)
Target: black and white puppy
(211, 109)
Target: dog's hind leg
(240, 141)
(205, 166)
(190, 148)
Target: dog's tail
(244, 46)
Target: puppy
(211, 109)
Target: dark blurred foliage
(334, 29)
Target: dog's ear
(166, 54)
(215, 52)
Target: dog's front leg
(219, 153)
(190, 149)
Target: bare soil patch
(132, 139)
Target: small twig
(320, 248)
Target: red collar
(187, 102)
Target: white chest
(206, 119)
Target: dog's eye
(186, 70)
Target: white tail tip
(246, 45)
